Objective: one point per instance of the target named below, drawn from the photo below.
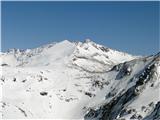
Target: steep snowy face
(134, 93)
(97, 58)
(69, 80)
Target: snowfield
(75, 80)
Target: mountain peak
(47, 54)
(87, 80)
(87, 40)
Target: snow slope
(75, 80)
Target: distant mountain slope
(75, 80)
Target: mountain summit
(79, 80)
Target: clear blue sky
(127, 26)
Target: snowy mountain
(79, 80)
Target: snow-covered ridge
(93, 56)
(86, 51)
(44, 54)
(79, 80)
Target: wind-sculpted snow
(75, 80)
